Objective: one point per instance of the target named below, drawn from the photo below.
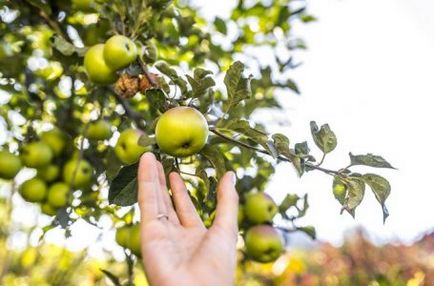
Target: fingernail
(233, 177)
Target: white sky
(368, 73)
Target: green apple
(260, 208)
(263, 243)
(47, 209)
(134, 240)
(129, 237)
(57, 195)
(82, 170)
(36, 154)
(49, 173)
(10, 165)
(181, 131)
(119, 52)
(56, 139)
(122, 236)
(83, 5)
(96, 67)
(33, 190)
(127, 148)
(99, 130)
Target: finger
(165, 194)
(227, 205)
(184, 207)
(148, 192)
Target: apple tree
(87, 86)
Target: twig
(322, 159)
(245, 145)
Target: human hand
(177, 248)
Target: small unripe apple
(122, 236)
(56, 139)
(181, 131)
(49, 173)
(57, 195)
(33, 190)
(99, 130)
(10, 165)
(119, 52)
(47, 209)
(36, 154)
(263, 243)
(97, 69)
(82, 170)
(129, 237)
(127, 148)
(260, 208)
(134, 241)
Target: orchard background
(211, 65)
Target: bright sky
(367, 73)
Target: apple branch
(259, 150)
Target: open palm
(177, 249)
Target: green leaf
(298, 164)
(370, 160)
(146, 140)
(243, 127)
(123, 189)
(289, 201)
(302, 212)
(237, 86)
(309, 230)
(169, 165)
(164, 68)
(157, 99)
(381, 189)
(302, 148)
(112, 163)
(308, 18)
(355, 194)
(339, 190)
(200, 84)
(292, 85)
(324, 138)
(220, 25)
(66, 48)
(281, 142)
(215, 157)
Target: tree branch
(280, 157)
